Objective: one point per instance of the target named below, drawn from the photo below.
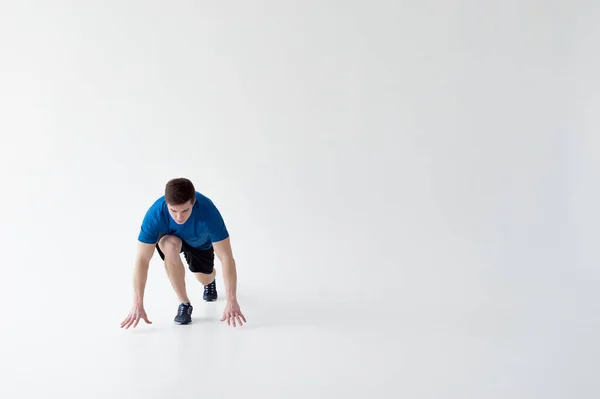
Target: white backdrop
(437, 160)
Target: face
(181, 213)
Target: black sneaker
(210, 292)
(184, 314)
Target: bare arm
(140, 272)
(225, 255)
(232, 312)
(140, 275)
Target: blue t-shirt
(204, 226)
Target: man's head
(180, 196)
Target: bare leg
(171, 247)
(206, 279)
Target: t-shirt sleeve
(216, 225)
(149, 229)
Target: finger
(146, 319)
(239, 320)
(243, 318)
(127, 322)
(131, 321)
(228, 319)
(233, 320)
(224, 317)
(126, 319)
(137, 320)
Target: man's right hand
(137, 313)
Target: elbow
(227, 260)
(142, 263)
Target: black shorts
(198, 260)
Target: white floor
(361, 345)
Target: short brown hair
(179, 191)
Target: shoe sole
(182, 324)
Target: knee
(170, 245)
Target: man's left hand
(233, 314)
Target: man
(185, 221)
